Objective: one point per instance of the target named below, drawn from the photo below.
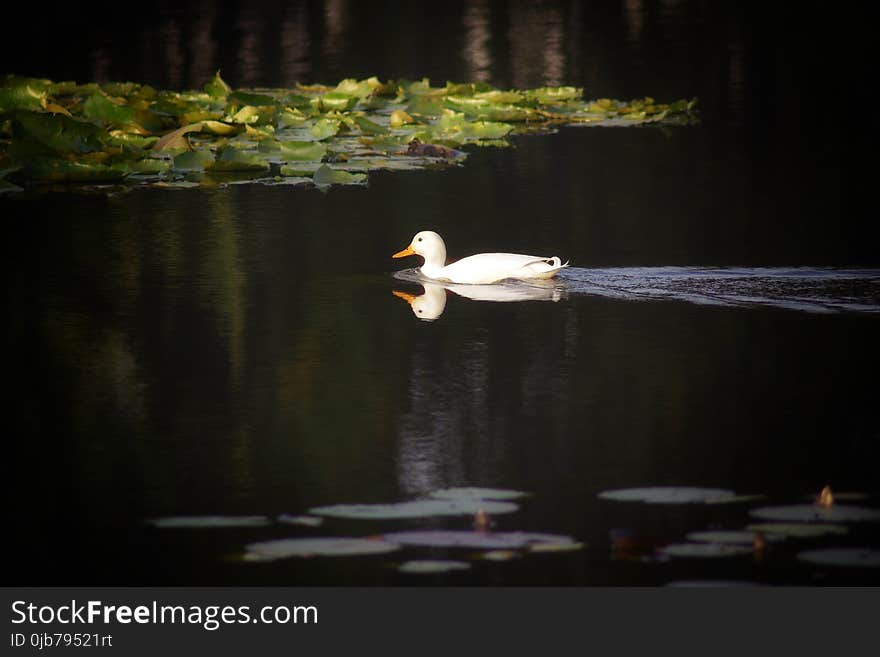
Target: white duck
(477, 269)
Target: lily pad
(414, 509)
(305, 521)
(432, 566)
(210, 522)
(704, 550)
(798, 530)
(469, 493)
(669, 495)
(845, 557)
(812, 513)
(317, 547)
(234, 159)
(480, 540)
(194, 161)
(327, 176)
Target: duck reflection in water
(429, 305)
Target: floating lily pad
(795, 530)
(845, 557)
(813, 513)
(316, 547)
(432, 566)
(669, 495)
(67, 121)
(414, 509)
(440, 538)
(210, 522)
(305, 521)
(327, 176)
(732, 537)
(704, 550)
(469, 493)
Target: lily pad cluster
(129, 133)
(824, 518)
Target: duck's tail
(545, 267)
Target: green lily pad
(216, 87)
(327, 176)
(234, 159)
(58, 132)
(59, 170)
(194, 161)
(323, 129)
(317, 547)
(301, 150)
(101, 107)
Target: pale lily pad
(209, 522)
(441, 538)
(732, 537)
(796, 530)
(414, 509)
(432, 566)
(472, 492)
(813, 513)
(704, 550)
(847, 557)
(669, 495)
(316, 547)
(305, 521)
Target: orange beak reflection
(408, 251)
(404, 295)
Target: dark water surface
(238, 350)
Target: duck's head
(427, 244)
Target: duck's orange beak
(408, 251)
(406, 296)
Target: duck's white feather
(478, 269)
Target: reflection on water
(429, 305)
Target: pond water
(240, 351)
